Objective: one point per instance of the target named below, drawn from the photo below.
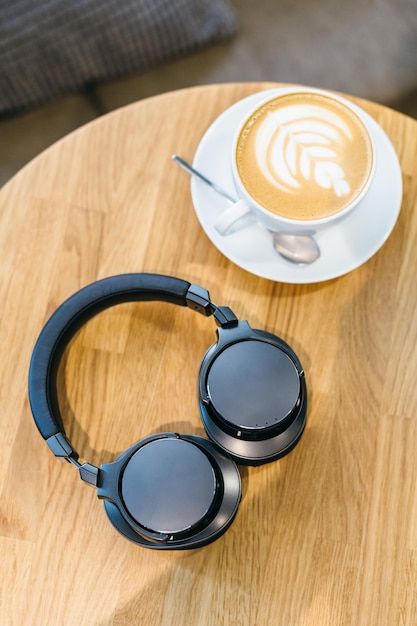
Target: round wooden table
(325, 536)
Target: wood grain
(325, 536)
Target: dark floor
(367, 48)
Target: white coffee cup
(301, 160)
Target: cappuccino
(304, 156)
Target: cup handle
(230, 216)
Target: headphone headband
(75, 312)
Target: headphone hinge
(61, 447)
(198, 299)
(88, 473)
(224, 317)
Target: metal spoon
(297, 249)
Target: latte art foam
(304, 156)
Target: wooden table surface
(325, 536)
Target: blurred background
(65, 62)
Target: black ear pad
(171, 491)
(252, 395)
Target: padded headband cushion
(69, 318)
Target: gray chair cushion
(52, 47)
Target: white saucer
(343, 247)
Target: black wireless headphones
(172, 491)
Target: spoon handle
(200, 176)
(297, 249)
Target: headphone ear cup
(171, 491)
(252, 395)
(120, 524)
